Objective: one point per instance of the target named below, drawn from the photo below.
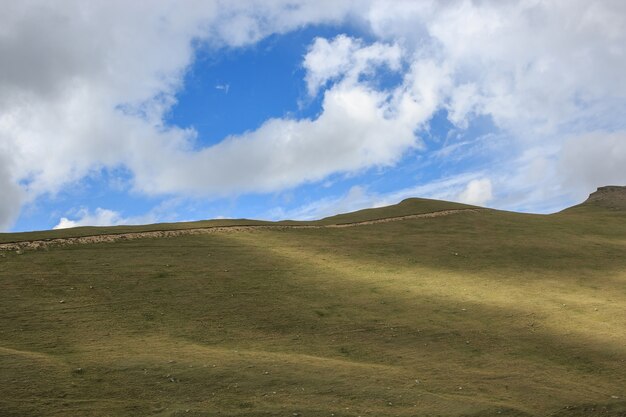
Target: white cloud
(478, 192)
(85, 85)
(358, 128)
(533, 66)
(346, 58)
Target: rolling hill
(393, 311)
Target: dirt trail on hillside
(114, 237)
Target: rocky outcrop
(611, 196)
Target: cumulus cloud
(358, 128)
(85, 86)
(81, 85)
(532, 66)
(346, 58)
(477, 192)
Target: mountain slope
(478, 313)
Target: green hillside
(479, 313)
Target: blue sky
(281, 111)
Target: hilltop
(393, 311)
(611, 197)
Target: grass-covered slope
(482, 313)
(607, 199)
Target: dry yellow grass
(477, 314)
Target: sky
(116, 112)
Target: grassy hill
(481, 313)
(410, 206)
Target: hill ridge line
(114, 237)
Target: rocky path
(114, 237)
